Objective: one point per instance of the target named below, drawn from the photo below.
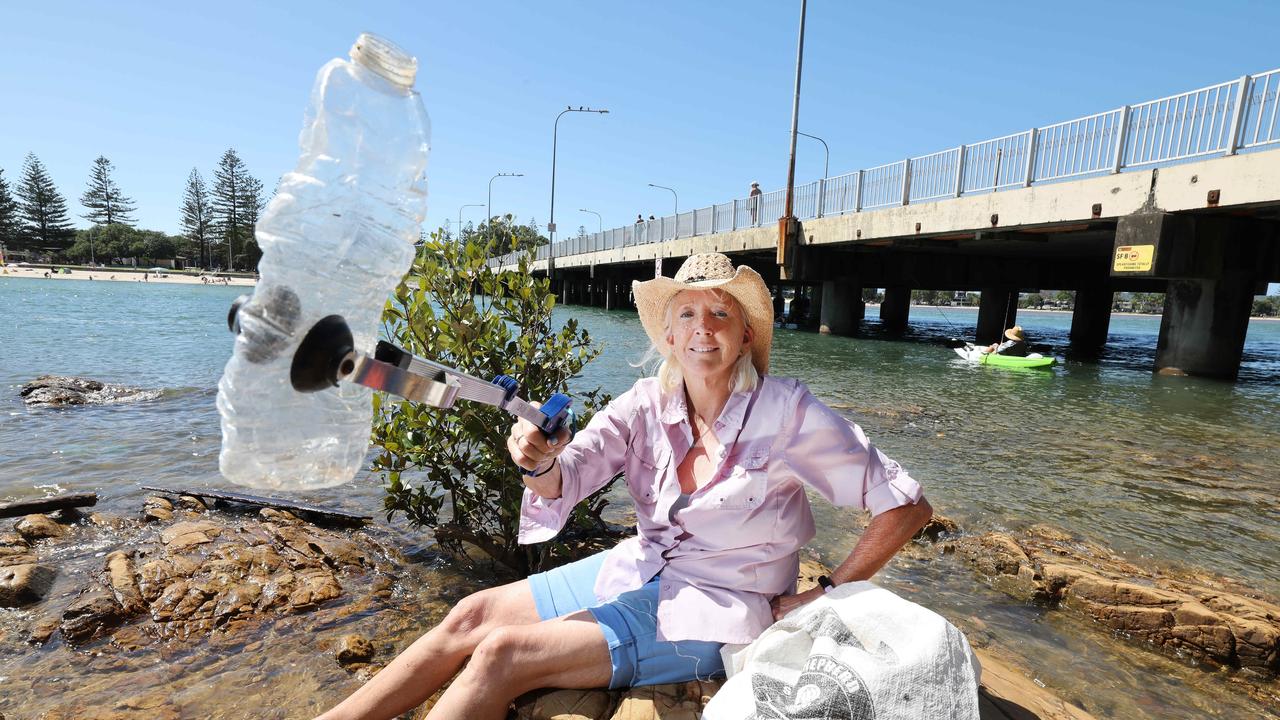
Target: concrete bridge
(1179, 195)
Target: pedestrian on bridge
(718, 457)
(754, 199)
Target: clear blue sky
(699, 93)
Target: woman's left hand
(784, 604)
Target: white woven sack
(857, 653)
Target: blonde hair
(744, 377)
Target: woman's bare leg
(567, 652)
(435, 657)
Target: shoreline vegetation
(1114, 313)
(107, 274)
(182, 277)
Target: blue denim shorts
(629, 622)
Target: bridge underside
(1206, 234)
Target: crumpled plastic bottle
(336, 239)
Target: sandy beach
(125, 275)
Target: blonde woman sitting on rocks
(718, 457)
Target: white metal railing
(1224, 119)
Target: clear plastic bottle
(336, 239)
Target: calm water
(1172, 471)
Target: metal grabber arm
(327, 356)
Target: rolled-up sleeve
(595, 455)
(832, 455)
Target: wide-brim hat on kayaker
(1015, 333)
(709, 271)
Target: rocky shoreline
(1210, 622)
(183, 575)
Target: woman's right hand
(533, 450)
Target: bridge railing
(1224, 119)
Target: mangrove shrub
(449, 470)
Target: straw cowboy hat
(1015, 333)
(709, 271)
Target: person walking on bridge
(718, 456)
(754, 199)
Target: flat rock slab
(44, 505)
(1212, 620)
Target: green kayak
(985, 358)
(1018, 362)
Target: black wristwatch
(825, 582)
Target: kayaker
(718, 456)
(1015, 343)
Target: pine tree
(252, 201)
(106, 204)
(228, 203)
(197, 215)
(42, 207)
(10, 227)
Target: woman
(718, 457)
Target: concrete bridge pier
(1092, 317)
(896, 308)
(997, 312)
(1213, 265)
(842, 307)
(1203, 328)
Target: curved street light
(825, 163)
(677, 199)
(599, 220)
(551, 224)
(460, 216)
(488, 209)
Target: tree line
(217, 220)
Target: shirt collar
(676, 410)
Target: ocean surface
(1167, 471)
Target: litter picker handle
(556, 412)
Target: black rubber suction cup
(233, 323)
(319, 360)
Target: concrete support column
(610, 294)
(842, 308)
(1092, 318)
(997, 312)
(1203, 328)
(896, 308)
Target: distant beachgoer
(754, 199)
(1015, 343)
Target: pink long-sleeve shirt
(735, 546)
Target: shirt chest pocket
(645, 468)
(746, 479)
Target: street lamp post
(825, 163)
(460, 216)
(551, 224)
(787, 223)
(599, 220)
(677, 203)
(488, 208)
(657, 260)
